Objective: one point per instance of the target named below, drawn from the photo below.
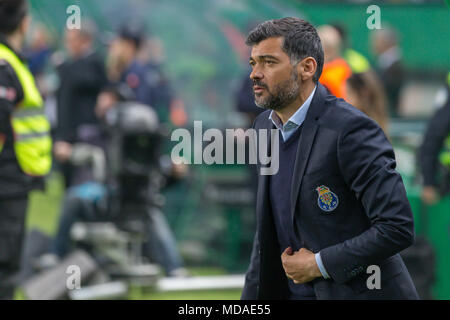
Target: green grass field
(43, 215)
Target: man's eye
(270, 62)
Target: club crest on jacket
(327, 200)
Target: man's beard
(283, 94)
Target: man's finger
(288, 251)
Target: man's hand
(62, 151)
(105, 101)
(180, 170)
(300, 266)
(430, 195)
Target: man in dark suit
(82, 77)
(336, 206)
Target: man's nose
(256, 74)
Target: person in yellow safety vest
(363, 88)
(357, 62)
(25, 143)
(444, 157)
(435, 152)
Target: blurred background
(191, 56)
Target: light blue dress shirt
(287, 129)
(294, 121)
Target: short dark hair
(134, 33)
(300, 39)
(12, 13)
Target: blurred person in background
(124, 66)
(25, 143)
(82, 76)
(356, 61)
(151, 56)
(389, 66)
(336, 70)
(365, 92)
(90, 199)
(363, 89)
(39, 50)
(434, 153)
(137, 62)
(89, 166)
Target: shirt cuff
(321, 266)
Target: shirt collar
(296, 119)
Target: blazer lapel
(263, 203)
(305, 143)
(306, 140)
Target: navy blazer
(347, 152)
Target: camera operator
(97, 197)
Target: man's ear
(307, 68)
